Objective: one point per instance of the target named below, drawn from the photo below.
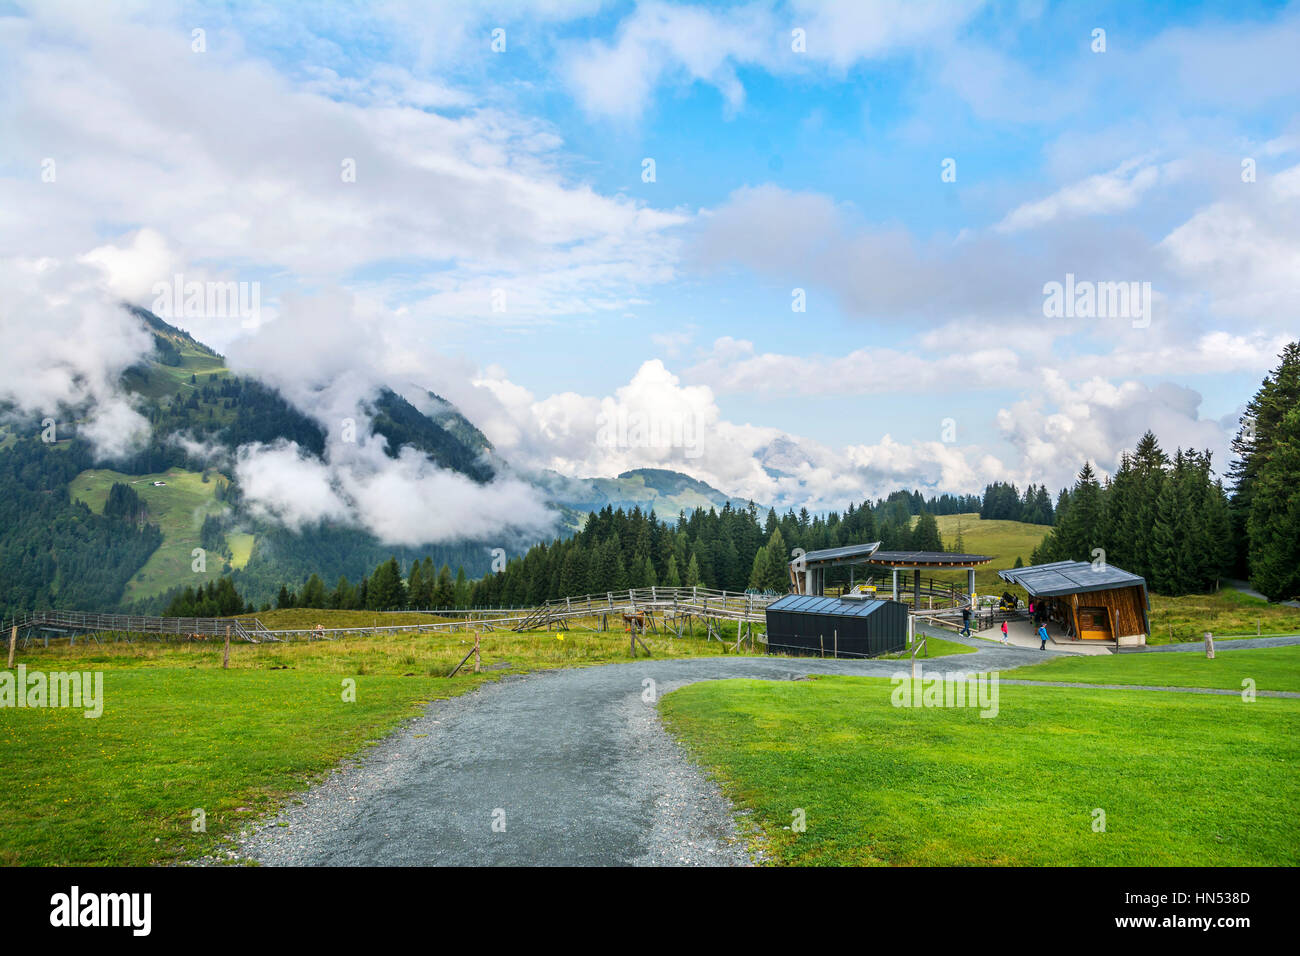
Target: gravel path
(566, 767)
(1221, 644)
(1295, 695)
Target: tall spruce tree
(1262, 448)
(925, 536)
(673, 579)
(1273, 522)
(386, 591)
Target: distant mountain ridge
(661, 490)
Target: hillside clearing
(178, 507)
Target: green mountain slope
(200, 412)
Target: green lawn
(178, 508)
(1183, 779)
(120, 790)
(1271, 668)
(935, 647)
(178, 733)
(164, 381)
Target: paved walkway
(1176, 690)
(1220, 644)
(1022, 633)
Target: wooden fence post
(13, 641)
(225, 657)
(478, 661)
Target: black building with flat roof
(836, 627)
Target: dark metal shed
(810, 624)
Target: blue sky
(520, 172)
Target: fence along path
(675, 605)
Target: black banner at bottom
(333, 906)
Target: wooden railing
(697, 601)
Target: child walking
(1004, 632)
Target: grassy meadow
(1224, 613)
(178, 733)
(1182, 779)
(1003, 540)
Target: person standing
(965, 622)
(1004, 632)
(1042, 637)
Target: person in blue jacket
(1042, 636)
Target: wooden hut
(1092, 602)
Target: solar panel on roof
(927, 557)
(814, 604)
(846, 551)
(1070, 577)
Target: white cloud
(656, 420)
(668, 42)
(132, 267)
(1099, 195)
(473, 195)
(403, 501)
(330, 355)
(66, 342)
(1096, 420)
(283, 483)
(1244, 251)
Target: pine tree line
(1003, 501)
(1167, 520)
(385, 589)
(214, 599)
(729, 549)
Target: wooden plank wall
(1124, 604)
